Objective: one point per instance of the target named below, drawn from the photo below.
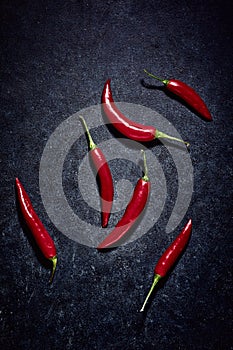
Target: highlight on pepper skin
(104, 175)
(128, 128)
(187, 94)
(169, 257)
(132, 212)
(39, 232)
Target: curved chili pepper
(39, 232)
(169, 257)
(132, 212)
(127, 127)
(105, 177)
(187, 94)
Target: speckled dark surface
(55, 58)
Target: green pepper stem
(92, 145)
(164, 81)
(162, 135)
(156, 279)
(145, 177)
(54, 262)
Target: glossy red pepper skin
(187, 94)
(39, 232)
(105, 177)
(190, 96)
(131, 214)
(125, 126)
(169, 257)
(106, 183)
(172, 253)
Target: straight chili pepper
(39, 232)
(105, 177)
(169, 257)
(132, 211)
(187, 94)
(127, 127)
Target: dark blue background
(55, 58)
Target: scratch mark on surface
(50, 310)
(30, 298)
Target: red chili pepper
(169, 257)
(105, 177)
(186, 93)
(132, 212)
(38, 230)
(127, 127)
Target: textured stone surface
(55, 58)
